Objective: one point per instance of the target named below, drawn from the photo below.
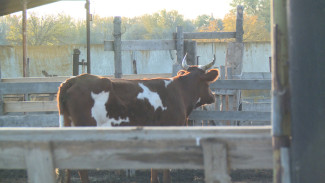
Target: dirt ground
(143, 176)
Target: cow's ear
(211, 75)
(181, 72)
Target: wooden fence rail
(214, 149)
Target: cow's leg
(154, 176)
(83, 176)
(166, 176)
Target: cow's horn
(184, 64)
(208, 66)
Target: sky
(131, 8)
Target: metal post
(88, 18)
(280, 93)
(24, 37)
(179, 50)
(75, 65)
(306, 25)
(1, 96)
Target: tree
(45, 30)
(162, 24)
(254, 29)
(259, 8)
(202, 21)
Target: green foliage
(259, 8)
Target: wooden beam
(209, 35)
(231, 115)
(63, 78)
(30, 106)
(30, 120)
(242, 84)
(23, 88)
(142, 45)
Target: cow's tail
(62, 98)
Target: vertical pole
(88, 34)
(1, 96)
(280, 91)
(75, 65)
(239, 24)
(24, 38)
(117, 47)
(306, 24)
(179, 50)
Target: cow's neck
(190, 94)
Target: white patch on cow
(167, 82)
(152, 97)
(61, 121)
(113, 121)
(99, 113)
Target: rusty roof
(12, 6)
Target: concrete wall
(58, 59)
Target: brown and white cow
(89, 100)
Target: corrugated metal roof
(12, 6)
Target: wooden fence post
(234, 60)
(39, 162)
(281, 119)
(215, 159)
(190, 49)
(234, 63)
(239, 24)
(117, 47)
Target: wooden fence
(50, 86)
(214, 149)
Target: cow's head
(200, 77)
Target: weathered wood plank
(256, 75)
(30, 106)
(23, 88)
(30, 120)
(242, 84)
(140, 45)
(208, 35)
(258, 107)
(142, 148)
(63, 78)
(231, 115)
